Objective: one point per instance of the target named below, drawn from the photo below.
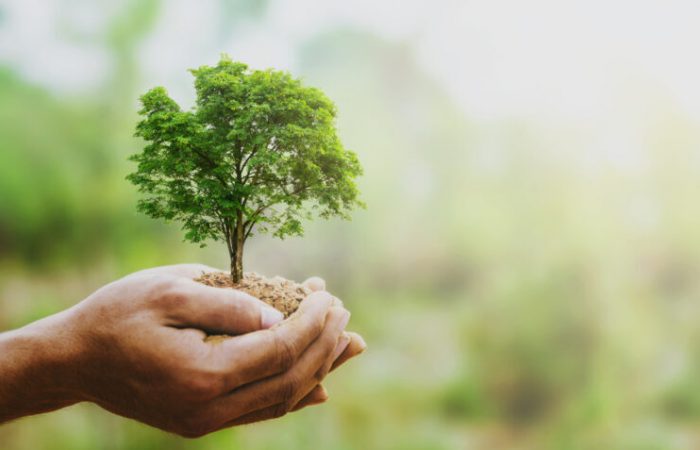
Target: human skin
(136, 348)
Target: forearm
(35, 369)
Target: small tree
(259, 152)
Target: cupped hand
(139, 351)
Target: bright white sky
(548, 60)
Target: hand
(136, 347)
(355, 346)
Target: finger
(340, 347)
(283, 392)
(317, 396)
(356, 346)
(315, 284)
(218, 310)
(353, 347)
(271, 412)
(258, 355)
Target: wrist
(37, 368)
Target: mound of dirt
(280, 293)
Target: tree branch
(246, 161)
(252, 217)
(248, 231)
(212, 165)
(270, 145)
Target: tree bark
(236, 249)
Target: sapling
(258, 153)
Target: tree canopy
(258, 153)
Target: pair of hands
(137, 348)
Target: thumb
(222, 310)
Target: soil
(280, 293)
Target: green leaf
(259, 150)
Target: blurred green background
(527, 271)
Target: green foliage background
(509, 298)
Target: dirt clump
(280, 293)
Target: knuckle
(167, 290)
(281, 410)
(286, 352)
(289, 387)
(203, 386)
(320, 374)
(317, 325)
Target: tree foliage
(258, 153)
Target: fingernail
(340, 348)
(361, 341)
(270, 317)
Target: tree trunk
(237, 264)
(236, 250)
